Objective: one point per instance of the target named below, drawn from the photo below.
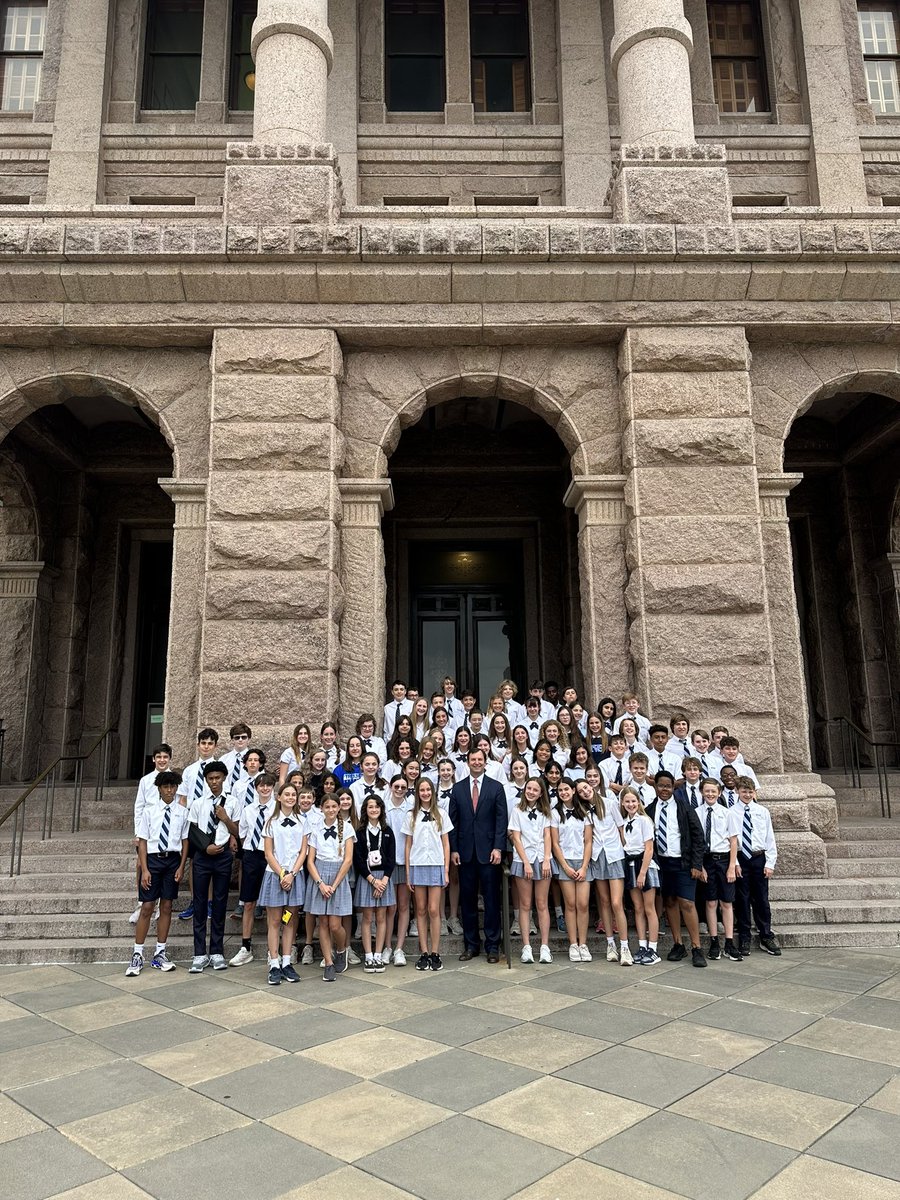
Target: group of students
(612, 802)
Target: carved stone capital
(190, 501)
(597, 499)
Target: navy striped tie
(661, 841)
(747, 833)
(257, 832)
(198, 783)
(164, 830)
(213, 819)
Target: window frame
(149, 54)
(239, 9)
(17, 55)
(526, 59)
(876, 6)
(760, 58)
(391, 55)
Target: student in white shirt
(252, 817)
(529, 831)
(518, 777)
(606, 710)
(147, 794)
(757, 855)
(306, 806)
(579, 761)
(329, 858)
(571, 833)
(508, 691)
(542, 756)
(429, 757)
(162, 854)
(679, 742)
(446, 777)
(521, 746)
(729, 781)
(214, 815)
(297, 753)
(427, 828)
(193, 786)
(607, 869)
(615, 768)
(536, 692)
(459, 755)
(534, 720)
(631, 703)
(452, 703)
(365, 727)
(240, 735)
(641, 875)
(397, 806)
(568, 724)
(553, 732)
(421, 719)
(580, 717)
(500, 733)
(658, 757)
(700, 749)
(638, 767)
(720, 825)
(371, 782)
(730, 750)
(245, 793)
(329, 743)
(629, 731)
(397, 706)
(284, 885)
(690, 788)
(401, 751)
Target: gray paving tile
(309, 1028)
(253, 1163)
(831, 1075)
(199, 989)
(717, 979)
(455, 987)
(455, 1024)
(867, 1140)
(754, 1019)
(44, 1164)
(65, 995)
(462, 1157)
(606, 1021)
(28, 1031)
(458, 1079)
(587, 982)
(838, 977)
(864, 1010)
(90, 1092)
(692, 1159)
(134, 1038)
(274, 1086)
(639, 1075)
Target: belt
(752, 854)
(718, 855)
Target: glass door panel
(492, 654)
(439, 641)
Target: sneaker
(413, 930)
(640, 956)
(380, 964)
(532, 928)
(133, 919)
(514, 928)
(714, 951)
(770, 945)
(698, 958)
(561, 924)
(199, 963)
(651, 958)
(243, 956)
(162, 962)
(445, 927)
(274, 975)
(424, 963)
(329, 975)
(598, 928)
(306, 958)
(294, 954)
(399, 958)
(187, 914)
(744, 948)
(237, 912)
(625, 958)
(574, 953)
(369, 964)
(353, 959)
(289, 975)
(545, 956)
(436, 964)
(259, 914)
(677, 953)
(612, 954)
(136, 965)
(455, 926)
(527, 954)
(386, 955)
(731, 951)
(218, 962)
(585, 954)
(340, 961)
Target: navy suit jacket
(476, 834)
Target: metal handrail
(48, 777)
(851, 736)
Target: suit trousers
(752, 893)
(206, 867)
(486, 877)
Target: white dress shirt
(391, 714)
(150, 827)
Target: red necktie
(474, 794)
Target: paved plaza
(777, 1078)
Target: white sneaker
(586, 955)
(353, 959)
(612, 954)
(625, 956)
(386, 955)
(545, 956)
(445, 928)
(399, 958)
(369, 964)
(218, 962)
(306, 958)
(133, 919)
(294, 955)
(514, 928)
(574, 953)
(198, 963)
(527, 956)
(136, 965)
(413, 930)
(456, 926)
(243, 956)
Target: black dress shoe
(493, 958)
(467, 954)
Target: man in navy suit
(477, 841)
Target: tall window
(735, 42)
(21, 51)
(414, 55)
(173, 51)
(242, 72)
(500, 66)
(878, 29)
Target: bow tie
(288, 821)
(532, 814)
(426, 816)
(567, 813)
(330, 831)
(461, 757)
(501, 743)
(534, 725)
(445, 795)
(370, 791)
(629, 825)
(367, 742)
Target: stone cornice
(773, 493)
(365, 501)
(190, 501)
(597, 499)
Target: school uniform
(396, 815)
(730, 797)
(680, 747)
(455, 710)
(705, 761)
(292, 761)
(638, 831)
(460, 764)
(607, 851)
(245, 792)
(534, 729)
(163, 827)
(429, 771)
(570, 830)
(716, 762)
(193, 785)
(361, 791)
(643, 725)
(561, 755)
(719, 824)
(663, 761)
(393, 711)
(372, 839)
(287, 834)
(426, 848)
(329, 841)
(530, 824)
(212, 869)
(234, 761)
(595, 746)
(146, 796)
(251, 832)
(647, 793)
(514, 794)
(691, 793)
(392, 769)
(375, 745)
(500, 749)
(756, 852)
(679, 847)
(516, 713)
(333, 757)
(615, 770)
(548, 710)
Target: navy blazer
(476, 834)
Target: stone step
(835, 912)
(62, 863)
(852, 936)
(817, 889)
(863, 848)
(87, 843)
(862, 868)
(69, 883)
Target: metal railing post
(76, 795)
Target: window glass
(173, 53)
(414, 55)
(501, 69)
(878, 27)
(242, 71)
(22, 28)
(738, 67)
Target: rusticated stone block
(685, 540)
(710, 690)
(276, 194)
(672, 195)
(262, 644)
(261, 695)
(277, 351)
(277, 398)
(284, 595)
(273, 496)
(788, 816)
(713, 491)
(801, 854)
(701, 641)
(684, 349)
(697, 589)
(276, 445)
(823, 817)
(713, 440)
(700, 393)
(279, 546)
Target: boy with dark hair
(680, 847)
(162, 853)
(147, 794)
(395, 708)
(193, 785)
(214, 815)
(719, 868)
(757, 855)
(240, 735)
(251, 835)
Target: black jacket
(693, 839)
(361, 849)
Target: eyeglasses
(241, 737)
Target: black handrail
(851, 737)
(48, 777)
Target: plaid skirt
(340, 904)
(517, 869)
(601, 868)
(273, 895)
(426, 876)
(366, 898)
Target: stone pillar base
(671, 185)
(804, 812)
(282, 185)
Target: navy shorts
(253, 867)
(162, 869)
(674, 880)
(717, 885)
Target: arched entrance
(480, 551)
(846, 445)
(85, 574)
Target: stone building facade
(299, 384)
